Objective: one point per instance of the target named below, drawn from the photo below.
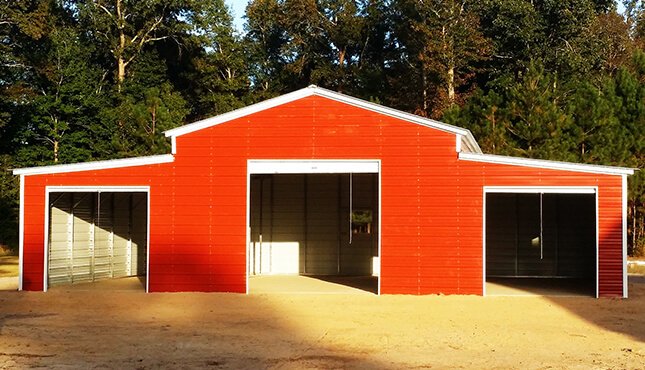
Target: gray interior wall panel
(96, 236)
(139, 234)
(501, 235)
(103, 246)
(121, 211)
(83, 242)
(552, 235)
(322, 226)
(311, 212)
(356, 255)
(577, 231)
(60, 240)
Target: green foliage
(9, 187)
(141, 118)
(219, 76)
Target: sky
(238, 7)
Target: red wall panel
(431, 202)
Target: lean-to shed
(319, 183)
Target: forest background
(84, 80)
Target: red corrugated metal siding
(475, 175)
(431, 203)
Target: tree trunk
(153, 113)
(121, 63)
(424, 90)
(56, 149)
(120, 72)
(451, 85)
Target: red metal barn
(316, 182)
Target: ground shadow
(611, 313)
(128, 283)
(365, 283)
(502, 286)
(160, 330)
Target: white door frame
(94, 189)
(309, 166)
(535, 190)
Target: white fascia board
(541, 189)
(267, 167)
(238, 113)
(314, 90)
(96, 165)
(390, 111)
(551, 165)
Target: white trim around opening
(21, 231)
(624, 232)
(309, 166)
(535, 190)
(268, 167)
(94, 189)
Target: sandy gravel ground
(121, 329)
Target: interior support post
(306, 218)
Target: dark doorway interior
(541, 237)
(319, 225)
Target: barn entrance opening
(540, 244)
(97, 240)
(314, 233)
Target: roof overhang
(469, 142)
(551, 165)
(96, 165)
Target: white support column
(21, 231)
(624, 217)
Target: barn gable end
(431, 182)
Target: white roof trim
(314, 90)
(96, 165)
(264, 166)
(540, 163)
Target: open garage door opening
(97, 240)
(541, 244)
(314, 233)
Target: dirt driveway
(108, 329)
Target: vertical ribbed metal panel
(83, 237)
(567, 229)
(95, 236)
(324, 222)
(60, 239)
(356, 253)
(103, 236)
(304, 223)
(122, 216)
(138, 234)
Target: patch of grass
(8, 266)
